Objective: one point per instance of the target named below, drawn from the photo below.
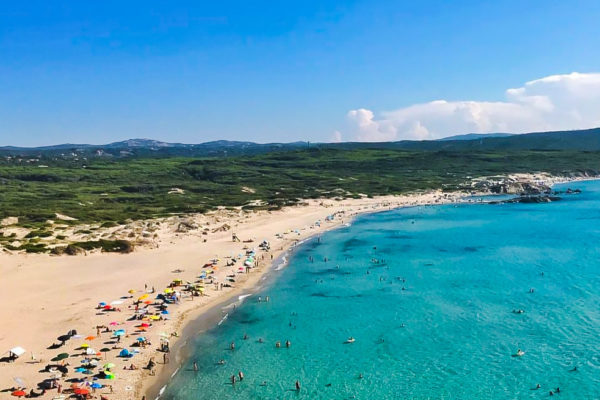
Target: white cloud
(556, 102)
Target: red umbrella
(145, 325)
(82, 391)
(19, 393)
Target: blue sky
(95, 72)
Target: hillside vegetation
(112, 191)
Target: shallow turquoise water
(449, 335)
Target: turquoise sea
(432, 319)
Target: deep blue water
(450, 334)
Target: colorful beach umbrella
(90, 338)
(108, 366)
(96, 385)
(119, 332)
(18, 393)
(84, 346)
(82, 391)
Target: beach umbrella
(143, 297)
(82, 391)
(60, 357)
(108, 366)
(18, 393)
(80, 369)
(113, 323)
(84, 346)
(96, 385)
(164, 312)
(145, 325)
(105, 350)
(141, 339)
(147, 302)
(90, 338)
(154, 317)
(131, 291)
(90, 352)
(119, 332)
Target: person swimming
(232, 346)
(278, 344)
(518, 311)
(297, 385)
(350, 340)
(519, 353)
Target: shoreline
(212, 315)
(193, 318)
(207, 319)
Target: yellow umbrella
(154, 317)
(131, 291)
(85, 346)
(168, 290)
(142, 297)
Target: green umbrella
(60, 357)
(108, 366)
(105, 350)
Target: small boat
(350, 340)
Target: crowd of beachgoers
(105, 325)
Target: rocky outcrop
(529, 199)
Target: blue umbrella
(164, 312)
(141, 339)
(80, 369)
(96, 385)
(119, 332)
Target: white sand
(45, 296)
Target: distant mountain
(475, 136)
(578, 140)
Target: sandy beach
(47, 296)
(51, 295)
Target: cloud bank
(556, 102)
